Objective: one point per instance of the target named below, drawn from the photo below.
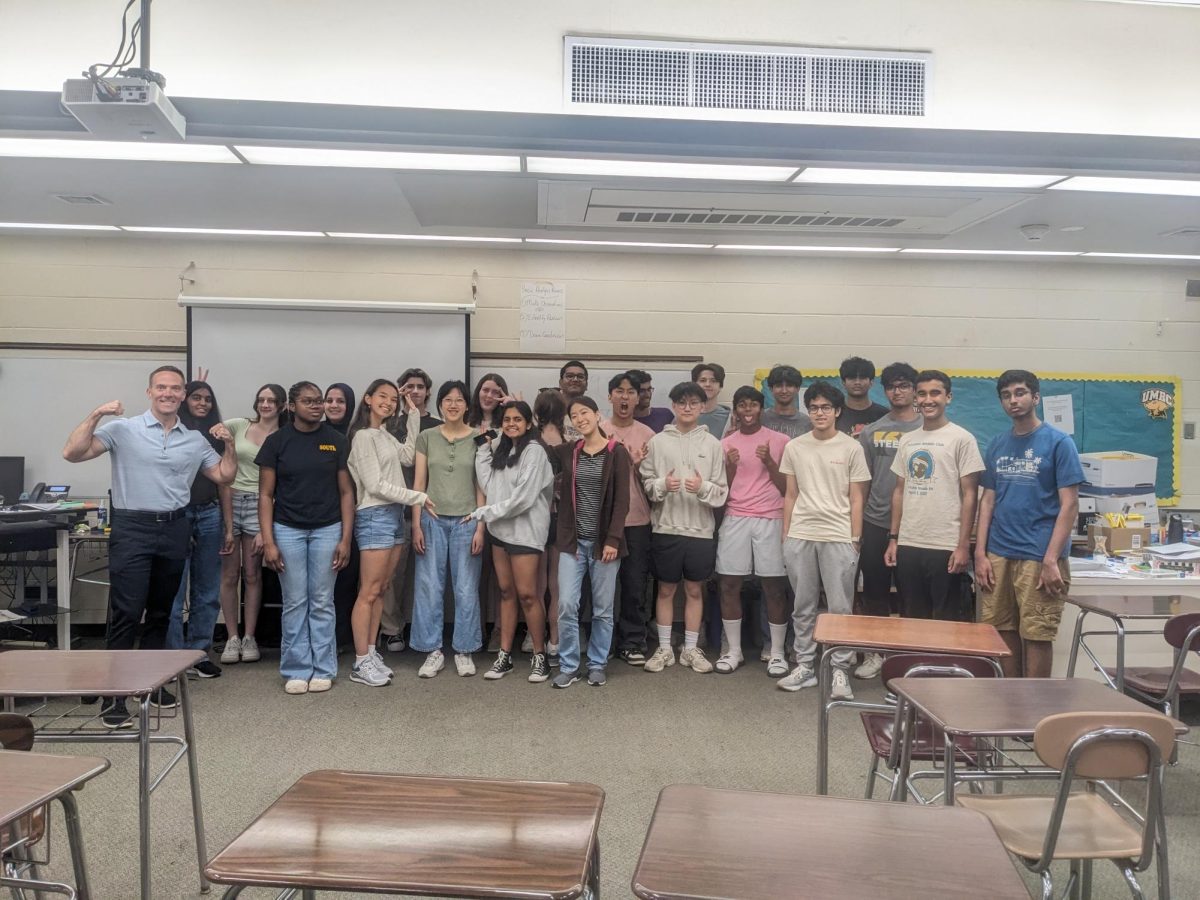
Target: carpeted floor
(631, 737)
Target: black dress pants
(145, 567)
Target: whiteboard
(244, 349)
(46, 396)
(527, 378)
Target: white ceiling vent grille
(636, 76)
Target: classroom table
(889, 634)
(130, 674)
(32, 780)
(1133, 585)
(996, 708)
(421, 834)
(14, 524)
(706, 843)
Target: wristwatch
(893, 537)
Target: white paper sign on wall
(543, 317)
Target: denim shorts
(245, 513)
(381, 527)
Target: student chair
(16, 838)
(1085, 826)
(881, 727)
(1162, 685)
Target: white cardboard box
(1119, 468)
(1142, 504)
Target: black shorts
(675, 558)
(514, 549)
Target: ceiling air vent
(771, 82)
(81, 199)
(758, 220)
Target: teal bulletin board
(1111, 412)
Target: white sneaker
(464, 664)
(729, 662)
(368, 672)
(393, 643)
(840, 689)
(233, 651)
(527, 644)
(799, 678)
(871, 665)
(764, 654)
(695, 660)
(319, 685)
(250, 649)
(433, 664)
(777, 666)
(662, 658)
(296, 686)
(380, 664)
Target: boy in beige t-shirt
(827, 478)
(933, 506)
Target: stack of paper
(1181, 552)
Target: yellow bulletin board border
(760, 378)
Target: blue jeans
(308, 647)
(203, 566)
(570, 588)
(447, 543)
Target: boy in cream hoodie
(684, 477)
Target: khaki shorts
(1016, 603)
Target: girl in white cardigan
(376, 461)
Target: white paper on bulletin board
(1060, 412)
(543, 317)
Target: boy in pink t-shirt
(750, 541)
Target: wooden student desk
(421, 834)
(888, 634)
(32, 780)
(130, 674)
(996, 708)
(705, 844)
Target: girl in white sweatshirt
(376, 461)
(519, 484)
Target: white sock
(778, 636)
(733, 635)
(664, 636)
(690, 639)
(359, 660)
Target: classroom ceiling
(654, 210)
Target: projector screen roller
(245, 348)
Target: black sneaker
(633, 656)
(501, 667)
(539, 669)
(163, 699)
(596, 678)
(114, 714)
(206, 669)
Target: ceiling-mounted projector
(123, 109)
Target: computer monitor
(12, 478)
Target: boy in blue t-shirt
(1030, 501)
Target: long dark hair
(362, 412)
(201, 425)
(508, 452)
(347, 392)
(475, 412)
(281, 403)
(549, 409)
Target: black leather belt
(138, 515)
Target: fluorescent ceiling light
(127, 150)
(618, 243)
(924, 179)
(1142, 255)
(1130, 185)
(811, 249)
(420, 237)
(561, 165)
(377, 159)
(251, 232)
(992, 252)
(49, 227)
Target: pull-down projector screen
(262, 341)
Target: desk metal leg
(75, 839)
(900, 785)
(62, 559)
(189, 735)
(1078, 636)
(824, 676)
(592, 889)
(948, 752)
(1120, 627)
(144, 794)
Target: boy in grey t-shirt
(786, 417)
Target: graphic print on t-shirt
(920, 470)
(1019, 468)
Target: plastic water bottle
(102, 517)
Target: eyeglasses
(899, 386)
(689, 403)
(309, 401)
(824, 409)
(574, 376)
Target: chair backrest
(903, 665)
(16, 732)
(1114, 754)
(1178, 628)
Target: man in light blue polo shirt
(154, 461)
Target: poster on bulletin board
(1101, 412)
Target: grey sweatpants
(811, 564)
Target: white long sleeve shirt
(376, 465)
(518, 497)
